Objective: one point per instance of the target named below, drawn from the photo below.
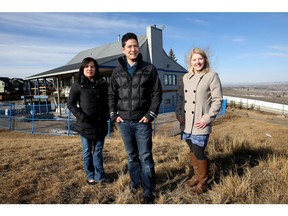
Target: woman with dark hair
(88, 101)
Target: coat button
(194, 91)
(184, 111)
(192, 112)
(185, 101)
(193, 102)
(185, 90)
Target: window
(170, 80)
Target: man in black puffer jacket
(135, 95)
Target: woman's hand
(200, 124)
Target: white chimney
(155, 45)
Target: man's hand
(144, 120)
(119, 119)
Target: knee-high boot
(195, 178)
(203, 166)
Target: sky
(244, 47)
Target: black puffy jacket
(88, 101)
(133, 98)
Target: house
(10, 89)
(151, 47)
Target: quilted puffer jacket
(131, 98)
(88, 101)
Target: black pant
(198, 151)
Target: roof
(102, 54)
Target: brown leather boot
(195, 178)
(203, 167)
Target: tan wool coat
(200, 96)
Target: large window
(170, 80)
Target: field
(247, 152)
(270, 92)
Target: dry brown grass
(247, 165)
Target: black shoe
(134, 190)
(105, 181)
(148, 200)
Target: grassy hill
(247, 150)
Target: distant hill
(261, 84)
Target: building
(151, 47)
(11, 89)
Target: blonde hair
(203, 54)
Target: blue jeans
(137, 138)
(92, 153)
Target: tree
(172, 55)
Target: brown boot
(203, 176)
(195, 179)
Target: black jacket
(133, 98)
(88, 101)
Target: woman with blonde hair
(199, 102)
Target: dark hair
(84, 63)
(127, 37)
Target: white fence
(259, 105)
